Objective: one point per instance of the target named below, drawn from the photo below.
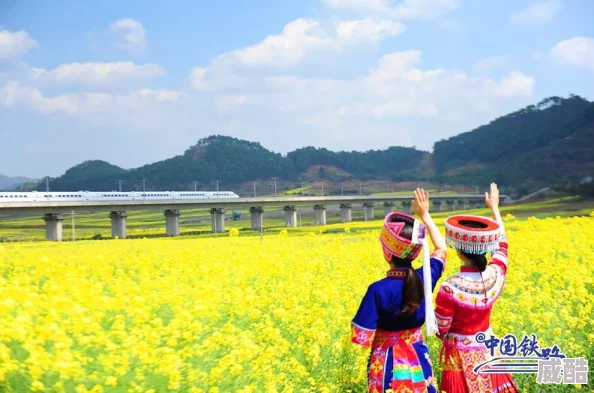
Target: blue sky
(139, 81)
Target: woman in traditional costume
(464, 301)
(393, 309)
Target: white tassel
(430, 320)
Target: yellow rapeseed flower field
(237, 314)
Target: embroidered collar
(470, 269)
(397, 273)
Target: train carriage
(39, 196)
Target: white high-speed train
(40, 196)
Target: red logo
(483, 239)
(474, 239)
(457, 236)
(465, 237)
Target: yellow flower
(236, 314)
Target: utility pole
(217, 181)
(120, 185)
(195, 185)
(341, 189)
(322, 188)
(360, 188)
(275, 188)
(143, 185)
(254, 189)
(47, 184)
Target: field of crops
(249, 314)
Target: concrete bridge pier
(368, 210)
(388, 208)
(118, 224)
(407, 207)
(346, 212)
(437, 206)
(290, 216)
(320, 212)
(450, 205)
(53, 226)
(218, 219)
(257, 217)
(172, 222)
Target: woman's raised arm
(421, 207)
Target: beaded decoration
(463, 236)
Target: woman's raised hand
(492, 198)
(421, 203)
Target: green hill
(546, 144)
(539, 145)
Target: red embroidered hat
(473, 234)
(395, 245)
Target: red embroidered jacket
(465, 300)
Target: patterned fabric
(398, 358)
(403, 356)
(464, 303)
(459, 355)
(395, 245)
(469, 239)
(361, 336)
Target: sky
(135, 82)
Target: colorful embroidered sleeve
(444, 310)
(500, 256)
(365, 322)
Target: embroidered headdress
(393, 244)
(472, 234)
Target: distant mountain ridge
(541, 145)
(8, 183)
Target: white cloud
(297, 40)
(131, 33)
(228, 103)
(15, 44)
(406, 9)
(575, 52)
(490, 63)
(516, 84)
(368, 29)
(14, 93)
(98, 73)
(537, 13)
(300, 40)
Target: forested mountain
(550, 143)
(544, 144)
(89, 175)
